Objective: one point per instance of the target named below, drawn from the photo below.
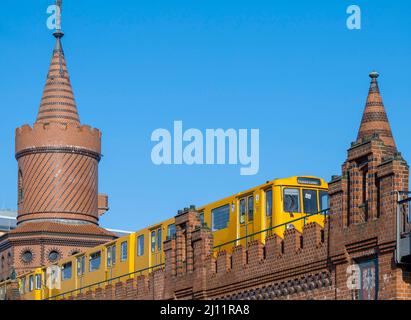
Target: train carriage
(254, 214)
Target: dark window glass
(242, 210)
(291, 200)
(220, 217)
(153, 241)
(38, 281)
(310, 201)
(123, 254)
(269, 203)
(171, 231)
(324, 200)
(140, 247)
(310, 181)
(95, 260)
(31, 283)
(66, 271)
(159, 239)
(250, 208)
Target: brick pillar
(180, 250)
(131, 290)
(170, 257)
(12, 291)
(202, 242)
(186, 222)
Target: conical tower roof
(374, 120)
(58, 103)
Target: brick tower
(363, 202)
(58, 200)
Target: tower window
(20, 187)
(27, 256)
(54, 255)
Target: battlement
(57, 135)
(276, 255)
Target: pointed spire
(57, 103)
(374, 120)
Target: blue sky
(289, 68)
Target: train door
(156, 246)
(268, 212)
(110, 260)
(246, 219)
(81, 270)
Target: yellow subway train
(253, 214)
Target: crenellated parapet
(304, 251)
(57, 137)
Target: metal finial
(59, 34)
(374, 75)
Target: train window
(153, 241)
(81, 265)
(220, 217)
(31, 283)
(159, 239)
(94, 261)
(111, 256)
(66, 271)
(38, 281)
(171, 231)
(324, 200)
(250, 208)
(140, 245)
(269, 203)
(291, 200)
(242, 210)
(123, 253)
(310, 201)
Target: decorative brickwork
(58, 201)
(358, 239)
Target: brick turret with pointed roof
(373, 166)
(374, 120)
(58, 103)
(58, 201)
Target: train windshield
(310, 201)
(291, 200)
